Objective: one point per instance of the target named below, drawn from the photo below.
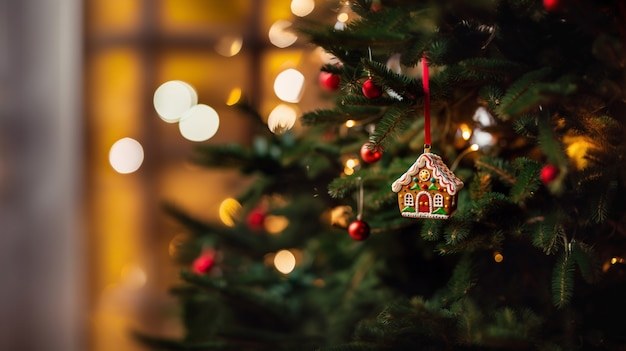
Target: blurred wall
(40, 149)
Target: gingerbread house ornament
(428, 189)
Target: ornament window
(438, 200)
(408, 200)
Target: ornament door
(423, 203)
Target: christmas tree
(463, 191)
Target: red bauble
(256, 220)
(371, 90)
(549, 173)
(203, 263)
(329, 81)
(552, 5)
(359, 230)
(370, 154)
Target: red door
(423, 203)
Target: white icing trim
(440, 171)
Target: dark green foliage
(523, 264)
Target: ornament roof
(440, 171)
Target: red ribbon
(425, 79)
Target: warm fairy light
(350, 123)
(350, 166)
(615, 260)
(279, 34)
(472, 148)
(289, 85)
(284, 261)
(352, 162)
(302, 8)
(126, 155)
(342, 17)
(229, 45)
(281, 119)
(497, 256)
(173, 99)
(577, 148)
(234, 97)
(482, 138)
(275, 224)
(483, 117)
(228, 211)
(200, 123)
(466, 131)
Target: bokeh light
(173, 99)
(233, 97)
(302, 8)
(229, 211)
(279, 34)
(284, 261)
(289, 85)
(275, 224)
(281, 119)
(200, 123)
(229, 45)
(126, 155)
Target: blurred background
(86, 163)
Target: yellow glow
(498, 257)
(342, 17)
(474, 147)
(229, 211)
(348, 170)
(233, 97)
(615, 260)
(114, 15)
(466, 131)
(275, 224)
(229, 45)
(350, 123)
(352, 162)
(284, 261)
(126, 155)
(577, 147)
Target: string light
(498, 257)
(472, 148)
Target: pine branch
(497, 167)
(563, 280)
(527, 175)
(391, 123)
